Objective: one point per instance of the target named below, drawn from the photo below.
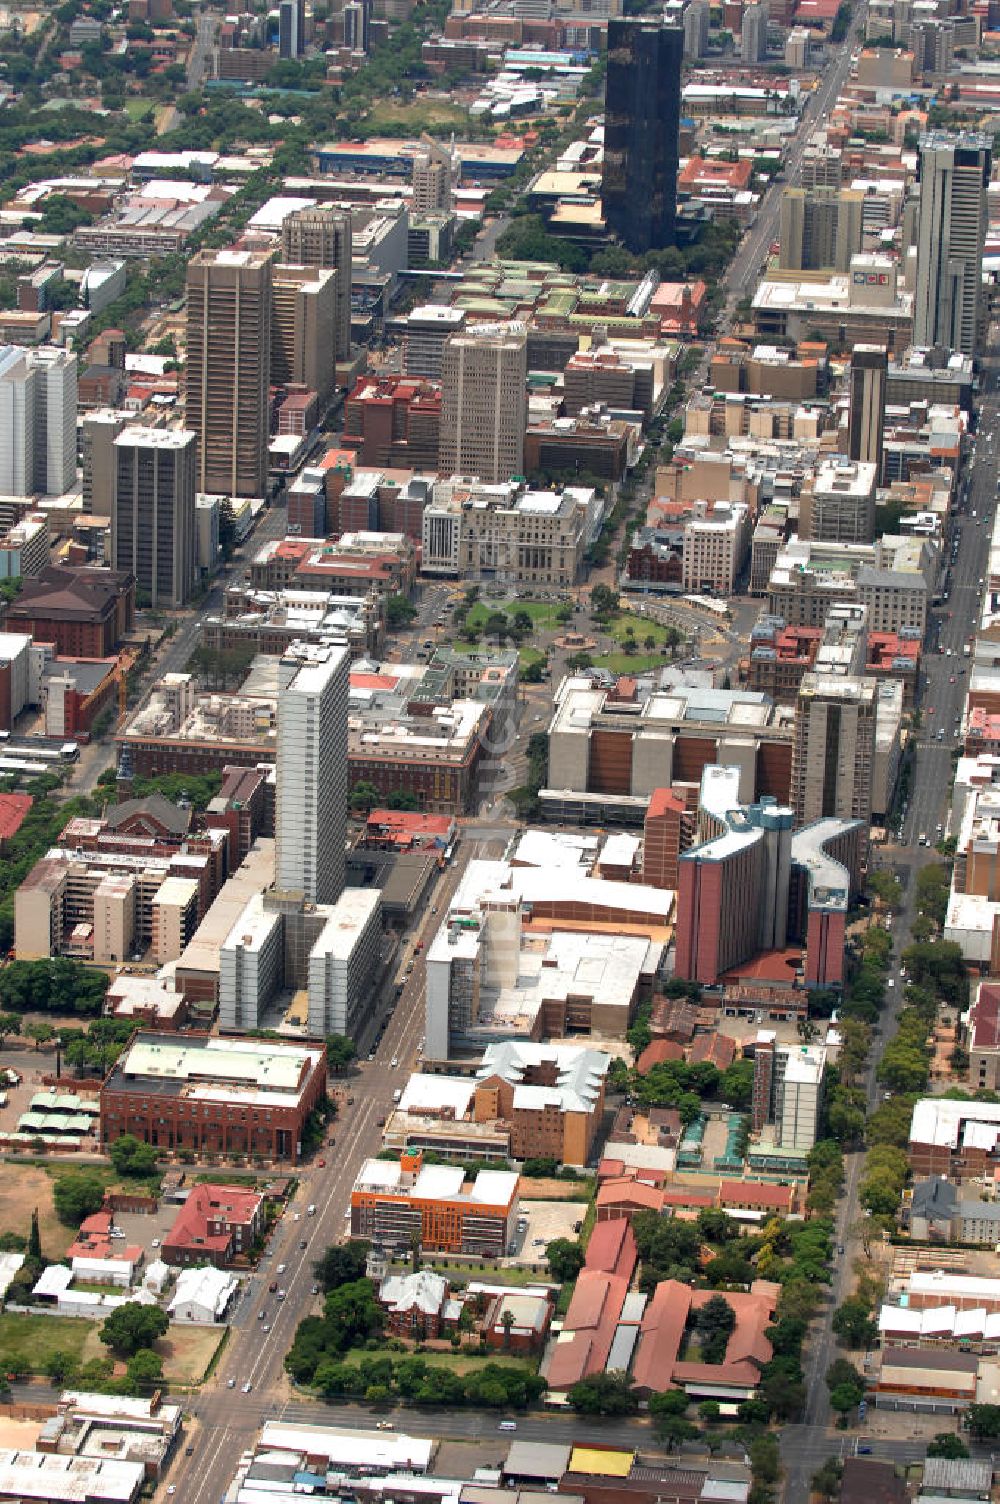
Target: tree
(352, 1312)
(853, 1324)
(9, 1024)
(35, 1238)
(340, 1051)
(844, 1398)
(133, 1326)
(947, 1444)
(39, 1031)
(399, 612)
(671, 1402)
(709, 1411)
(131, 1157)
(984, 1421)
(715, 1323)
(60, 1366)
(77, 1196)
(341, 1264)
(847, 1387)
(886, 888)
(144, 1370)
(604, 1394)
(826, 1480)
(364, 795)
(565, 1259)
(507, 1321)
(604, 601)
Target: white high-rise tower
(311, 773)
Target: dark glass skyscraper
(641, 125)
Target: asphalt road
(753, 250)
(227, 1418)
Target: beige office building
(98, 432)
(229, 368)
(838, 503)
(303, 327)
(484, 373)
(175, 917)
(114, 918)
(432, 178)
(820, 227)
(834, 748)
(322, 237)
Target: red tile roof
(657, 1052)
(206, 1204)
(612, 1248)
(984, 1018)
(13, 809)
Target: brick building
(218, 1224)
(214, 1096)
(84, 613)
(394, 420)
(396, 1202)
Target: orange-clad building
(395, 1203)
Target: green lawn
(525, 655)
(138, 109)
(641, 626)
(26, 1342)
(508, 1275)
(464, 1361)
(544, 614)
(625, 663)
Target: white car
(393, 1063)
(247, 1387)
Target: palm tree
(506, 1321)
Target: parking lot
(539, 1223)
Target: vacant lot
(27, 1342)
(22, 1188)
(459, 1362)
(422, 115)
(187, 1351)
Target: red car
(321, 1164)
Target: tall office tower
(787, 1090)
(837, 504)
(869, 374)
(484, 375)
(311, 773)
(98, 432)
(357, 25)
(753, 37)
(641, 125)
(18, 378)
(932, 42)
(229, 367)
(322, 237)
(432, 177)
(38, 399)
(696, 18)
(152, 513)
(951, 231)
(820, 228)
(291, 28)
(55, 419)
(303, 314)
(834, 749)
